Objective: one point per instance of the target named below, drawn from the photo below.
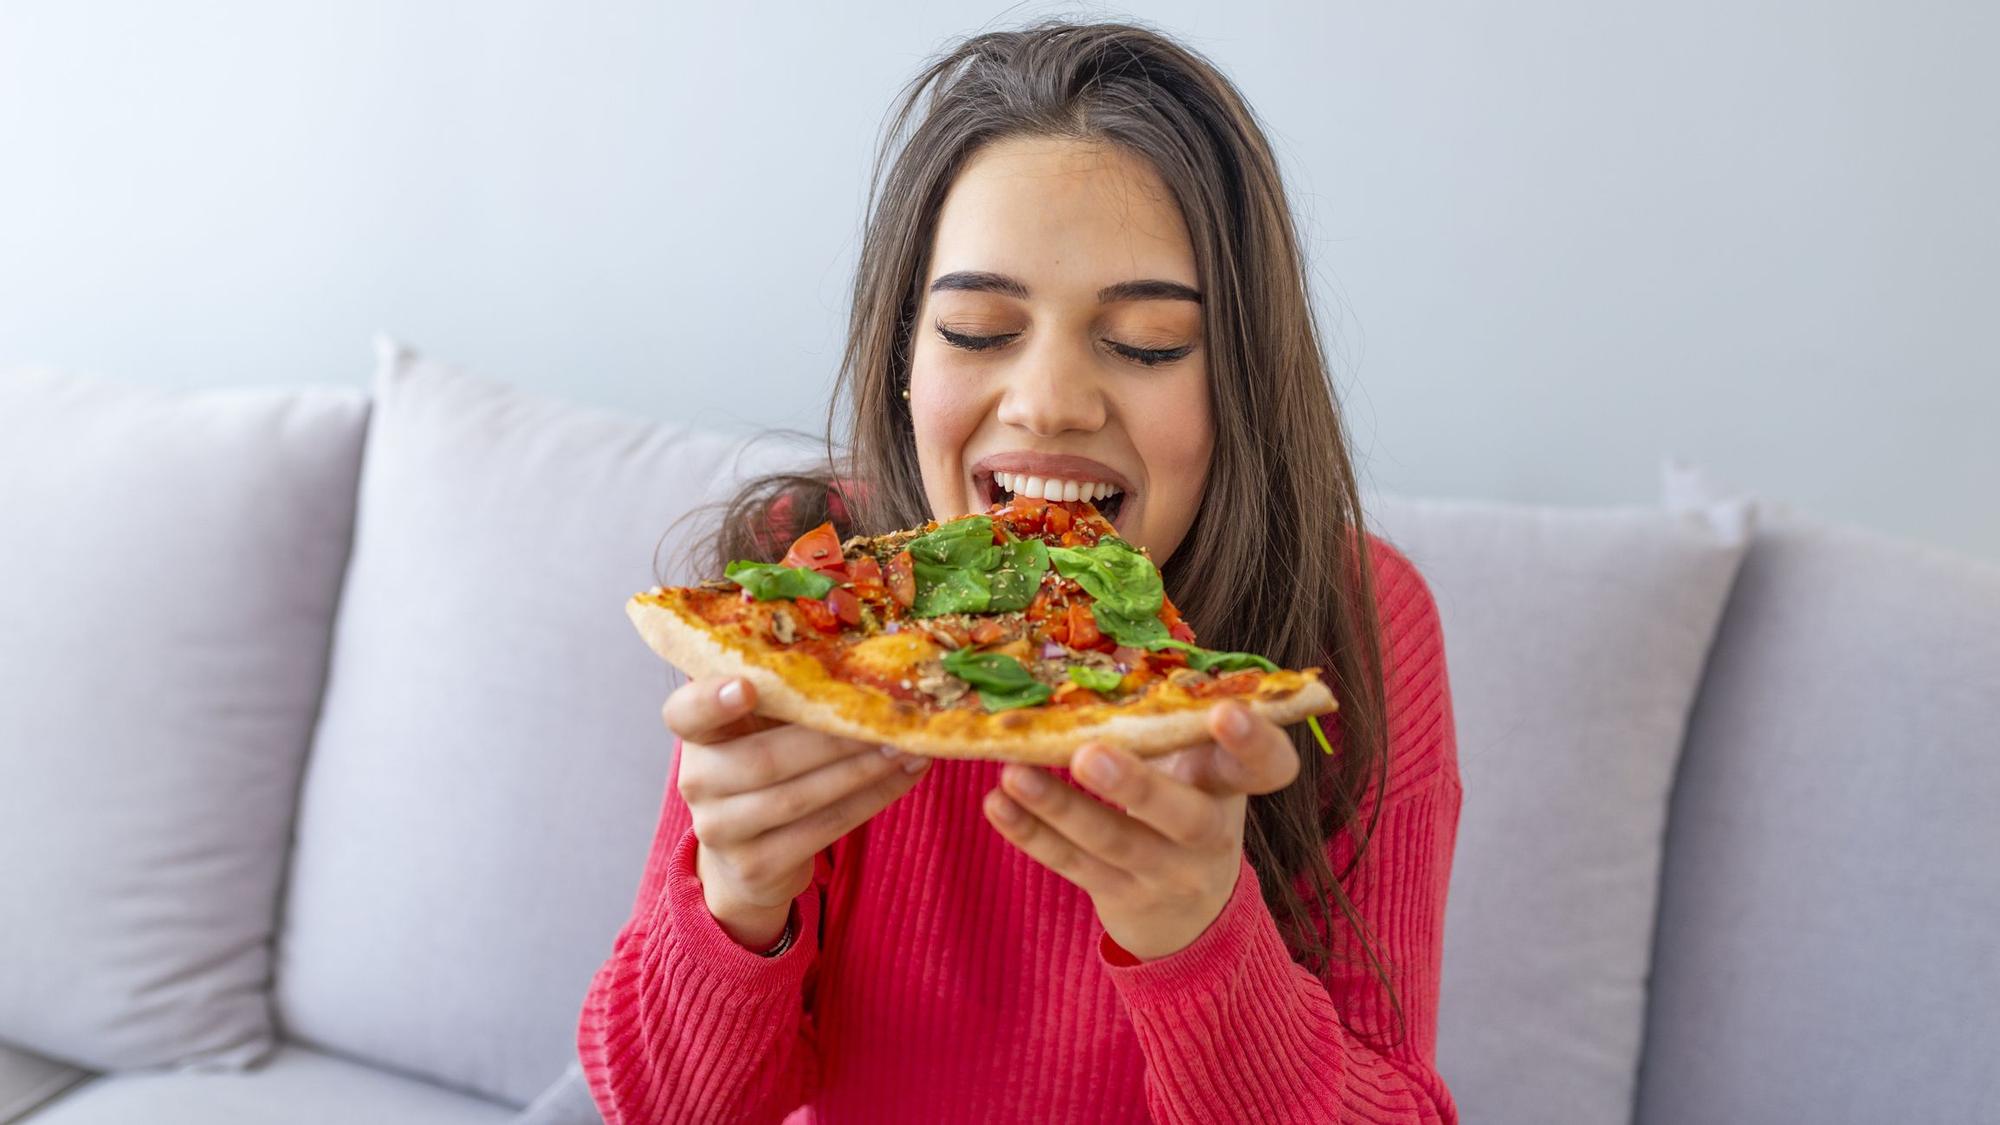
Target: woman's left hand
(1160, 866)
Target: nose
(1052, 390)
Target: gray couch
(328, 765)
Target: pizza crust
(796, 688)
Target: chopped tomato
(988, 631)
(1168, 658)
(818, 549)
(1070, 538)
(959, 637)
(1058, 519)
(844, 605)
(866, 575)
(1082, 626)
(1039, 608)
(902, 576)
(1179, 631)
(1057, 629)
(1068, 691)
(1027, 512)
(1236, 683)
(1129, 657)
(818, 614)
(1169, 615)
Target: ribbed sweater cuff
(706, 945)
(1211, 960)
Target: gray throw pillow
(1831, 896)
(169, 565)
(488, 769)
(1576, 639)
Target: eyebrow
(1151, 289)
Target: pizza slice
(1013, 635)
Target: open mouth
(993, 491)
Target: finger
(1171, 806)
(767, 759)
(1257, 756)
(746, 815)
(821, 828)
(714, 709)
(1049, 847)
(1105, 833)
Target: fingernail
(731, 694)
(916, 764)
(890, 752)
(1235, 722)
(1102, 770)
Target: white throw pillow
(1576, 640)
(489, 766)
(169, 565)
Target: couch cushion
(296, 1086)
(488, 768)
(1832, 884)
(27, 1081)
(171, 566)
(1575, 640)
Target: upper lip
(1052, 466)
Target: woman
(1080, 276)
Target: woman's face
(1060, 270)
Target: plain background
(1551, 242)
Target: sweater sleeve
(1232, 1029)
(681, 1023)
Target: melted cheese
(890, 655)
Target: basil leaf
(1114, 574)
(1208, 660)
(949, 589)
(1104, 681)
(1027, 697)
(1001, 680)
(1142, 630)
(964, 542)
(1023, 562)
(771, 581)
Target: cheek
(944, 413)
(1175, 434)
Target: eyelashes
(1150, 357)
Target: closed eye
(1150, 357)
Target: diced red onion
(893, 627)
(1050, 650)
(1121, 666)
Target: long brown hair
(1276, 561)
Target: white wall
(1553, 241)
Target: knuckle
(1119, 848)
(788, 805)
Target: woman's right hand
(766, 796)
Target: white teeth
(1041, 488)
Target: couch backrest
(1830, 912)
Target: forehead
(1067, 217)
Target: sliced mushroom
(947, 689)
(1187, 677)
(782, 627)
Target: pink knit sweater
(941, 975)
